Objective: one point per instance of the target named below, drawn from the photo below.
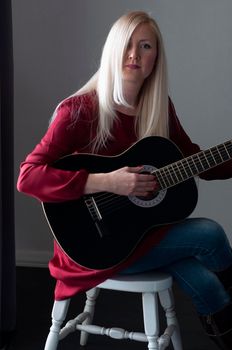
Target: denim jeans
(191, 252)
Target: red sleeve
(187, 147)
(38, 178)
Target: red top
(39, 179)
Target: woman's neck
(130, 93)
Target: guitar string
(107, 209)
(121, 203)
(114, 199)
(107, 206)
(194, 162)
(196, 165)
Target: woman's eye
(146, 46)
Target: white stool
(151, 285)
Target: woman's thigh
(194, 237)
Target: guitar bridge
(93, 208)
(96, 216)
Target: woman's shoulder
(74, 102)
(78, 107)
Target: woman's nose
(133, 53)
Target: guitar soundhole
(149, 197)
(154, 198)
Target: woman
(125, 101)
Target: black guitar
(100, 230)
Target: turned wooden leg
(91, 297)
(167, 302)
(59, 313)
(151, 319)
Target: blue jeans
(191, 252)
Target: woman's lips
(132, 66)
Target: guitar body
(101, 230)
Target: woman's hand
(124, 181)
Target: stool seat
(153, 286)
(139, 283)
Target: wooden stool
(153, 286)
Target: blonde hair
(152, 111)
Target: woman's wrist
(97, 183)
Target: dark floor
(34, 303)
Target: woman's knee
(211, 231)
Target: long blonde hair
(152, 111)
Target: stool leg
(151, 319)
(91, 296)
(167, 302)
(59, 313)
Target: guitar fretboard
(191, 166)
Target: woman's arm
(124, 181)
(38, 178)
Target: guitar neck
(191, 166)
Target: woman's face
(140, 55)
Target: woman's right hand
(124, 181)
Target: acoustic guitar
(100, 230)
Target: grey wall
(57, 46)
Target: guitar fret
(197, 163)
(224, 153)
(200, 164)
(164, 177)
(228, 146)
(193, 166)
(188, 168)
(183, 172)
(204, 163)
(158, 176)
(212, 157)
(217, 157)
(177, 172)
(174, 173)
(170, 171)
(171, 175)
(227, 153)
(219, 154)
(206, 158)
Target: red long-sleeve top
(71, 132)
